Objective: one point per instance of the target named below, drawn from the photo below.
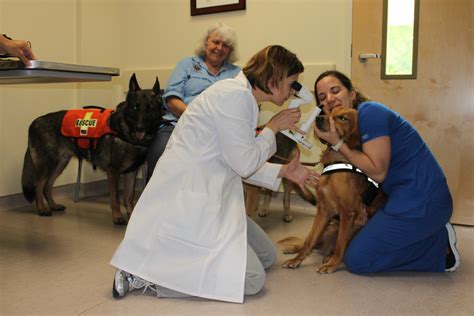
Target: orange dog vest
(86, 126)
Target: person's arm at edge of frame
(17, 48)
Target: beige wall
(148, 37)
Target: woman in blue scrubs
(411, 231)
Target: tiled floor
(59, 265)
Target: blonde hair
(271, 65)
(228, 36)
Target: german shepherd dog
(133, 124)
(346, 200)
(286, 151)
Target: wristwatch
(338, 145)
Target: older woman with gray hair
(213, 61)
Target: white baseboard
(64, 191)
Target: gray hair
(229, 37)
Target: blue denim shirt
(190, 77)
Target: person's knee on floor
(269, 258)
(356, 261)
(254, 282)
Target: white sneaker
(121, 284)
(452, 257)
(125, 282)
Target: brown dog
(286, 151)
(340, 195)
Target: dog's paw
(290, 245)
(58, 208)
(327, 258)
(262, 213)
(292, 264)
(288, 218)
(290, 249)
(45, 213)
(120, 221)
(327, 268)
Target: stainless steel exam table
(15, 72)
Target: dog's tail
(28, 177)
(291, 245)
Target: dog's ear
(353, 138)
(156, 87)
(133, 84)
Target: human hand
(285, 119)
(299, 174)
(331, 136)
(17, 48)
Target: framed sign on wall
(199, 7)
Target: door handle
(364, 56)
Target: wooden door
(440, 102)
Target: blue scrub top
(413, 172)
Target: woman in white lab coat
(189, 234)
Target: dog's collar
(340, 166)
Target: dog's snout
(320, 122)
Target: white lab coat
(188, 229)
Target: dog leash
(309, 164)
(167, 123)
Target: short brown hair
(271, 65)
